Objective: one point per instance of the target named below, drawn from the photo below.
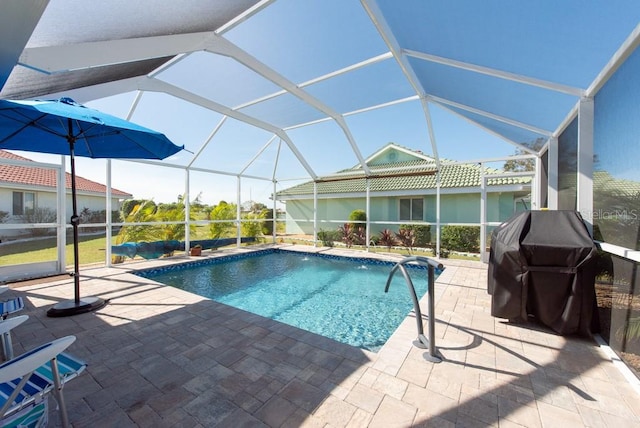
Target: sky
(300, 50)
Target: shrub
(328, 237)
(346, 233)
(461, 238)
(222, 211)
(267, 224)
(387, 239)
(358, 218)
(251, 228)
(3, 216)
(406, 238)
(422, 233)
(88, 216)
(360, 235)
(40, 215)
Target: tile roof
(604, 184)
(46, 177)
(453, 175)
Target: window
(412, 209)
(23, 202)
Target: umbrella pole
(77, 305)
(75, 221)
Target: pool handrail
(432, 265)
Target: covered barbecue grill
(542, 265)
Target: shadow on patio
(159, 356)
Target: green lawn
(92, 250)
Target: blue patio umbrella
(67, 128)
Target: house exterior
(24, 188)
(407, 194)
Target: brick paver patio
(161, 357)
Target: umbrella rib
(81, 135)
(30, 122)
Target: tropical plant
(327, 237)
(222, 211)
(422, 233)
(253, 227)
(129, 205)
(407, 238)
(267, 225)
(360, 235)
(143, 212)
(387, 239)
(175, 215)
(346, 234)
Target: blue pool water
(339, 298)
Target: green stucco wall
(457, 208)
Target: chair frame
(25, 367)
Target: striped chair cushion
(41, 381)
(10, 306)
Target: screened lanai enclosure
(445, 118)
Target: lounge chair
(26, 381)
(10, 306)
(5, 334)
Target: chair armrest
(32, 360)
(11, 323)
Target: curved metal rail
(422, 341)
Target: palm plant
(222, 211)
(142, 212)
(172, 230)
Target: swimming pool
(337, 297)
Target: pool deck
(161, 357)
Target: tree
(129, 205)
(521, 165)
(257, 207)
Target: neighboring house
(24, 188)
(406, 194)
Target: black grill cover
(542, 264)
